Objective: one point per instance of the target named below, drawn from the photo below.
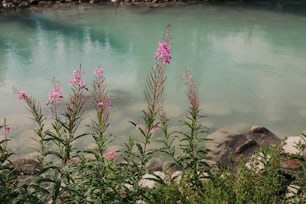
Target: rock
(169, 167)
(26, 166)
(246, 145)
(176, 176)
(8, 5)
(227, 147)
(155, 164)
(263, 136)
(33, 2)
(257, 162)
(16, 2)
(23, 4)
(258, 130)
(147, 182)
(290, 145)
(292, 190)
(292, 164)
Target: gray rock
(263, 136)
(227, 147)
(34, 2)
(23, 4)
(26, 166)
(155, 164)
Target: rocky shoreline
(8, 7)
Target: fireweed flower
(107, 103)
(55, 96)
(98, 72)
(77, 79)
(7, 129)
(138, 126)
(111, 155)
(21, 95)
(163, 53)
(154, 129)
(100, 104)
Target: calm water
(249, 65)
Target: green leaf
(57, 154)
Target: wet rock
(26, 166)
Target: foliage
(96, 175)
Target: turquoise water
(249, 65)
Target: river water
(249, 65)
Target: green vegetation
(71, 175)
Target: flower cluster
(163, 53)
(106, 103)
(55, 96)
(154, 128)
(77, 79)
(111, 155)
(7, 129)
(21, 95)
(98, 72)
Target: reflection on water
(249, 65)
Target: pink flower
(107, 103)
(163, 53)
(154, 129)
(99, 71)
(21, 95)
(72, 160)
(100, 104)
(111, 155)
(138, 126)
(55, 96)
(7, 129)
(77, 79)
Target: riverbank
(9, 7)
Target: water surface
(249, 65)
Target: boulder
(227, 147)
(26, 166)
(263, 136)
(147, 181)
(290, 146)
(23, 4)
(292, 164)
(155, 164)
